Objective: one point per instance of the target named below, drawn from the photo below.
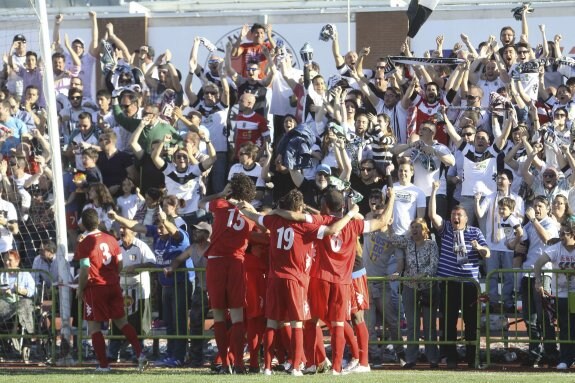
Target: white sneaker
(562, 366)
(359, 369)
(338, 373)
(103, 369)
(352, 364)
(295, 372)
(324, 366)
(267, 372)
(310, 370)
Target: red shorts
(72, 220)
(226, 284)
(286, 300)
(359, 294)
(255, 293)
(103, 302)
(329, 301)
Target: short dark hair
(542, 199)
(257, 26)
(243, 188)
(50, 246)
(32, 53)
(508, 173)
(333, 199)
(292, 201)
(90, 219)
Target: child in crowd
(130, 200)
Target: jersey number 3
(105, 249)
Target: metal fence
(533, 321)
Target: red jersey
(291, 249)
(335, 254)
(104, 254)
(230, 230)
(257, 256)
(250, 128)
(427, 112)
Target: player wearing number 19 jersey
(291, 255)
(225, 267)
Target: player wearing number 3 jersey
(99, 286)
(225, 267)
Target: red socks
(237, 342)
(221, 336)
(337, 346)
(99, 345)
(350, 339)
(310, 342)
(297, 342)
(268, 347)
(363, 343)
(130, 333)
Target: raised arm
(118, 42)
(337, 57)
(385, 218)
(93, 48)
(158, 161)
(436, 219)
(451, 132)
(130, 224)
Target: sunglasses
(211, 92)
(467, 134)
(76, 98)
(522, 52)
(366, 169)
(181, 156)
(470, 97)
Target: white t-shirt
(565, 260)
(407, 200)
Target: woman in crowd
(420, 299)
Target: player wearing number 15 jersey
(225, 267)
(291, 256)
(99, 286)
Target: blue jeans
(538, 322)
(175, 298)
(500, 260)
(414, 310)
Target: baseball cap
(203, 226)
(79, 40)
(19, 37)
(324, 169)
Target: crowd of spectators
(477, 152)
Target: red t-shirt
(291, 251)
(104, 254)
(335, 253)
(230, 230)
(252, 52)
(250, 128)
